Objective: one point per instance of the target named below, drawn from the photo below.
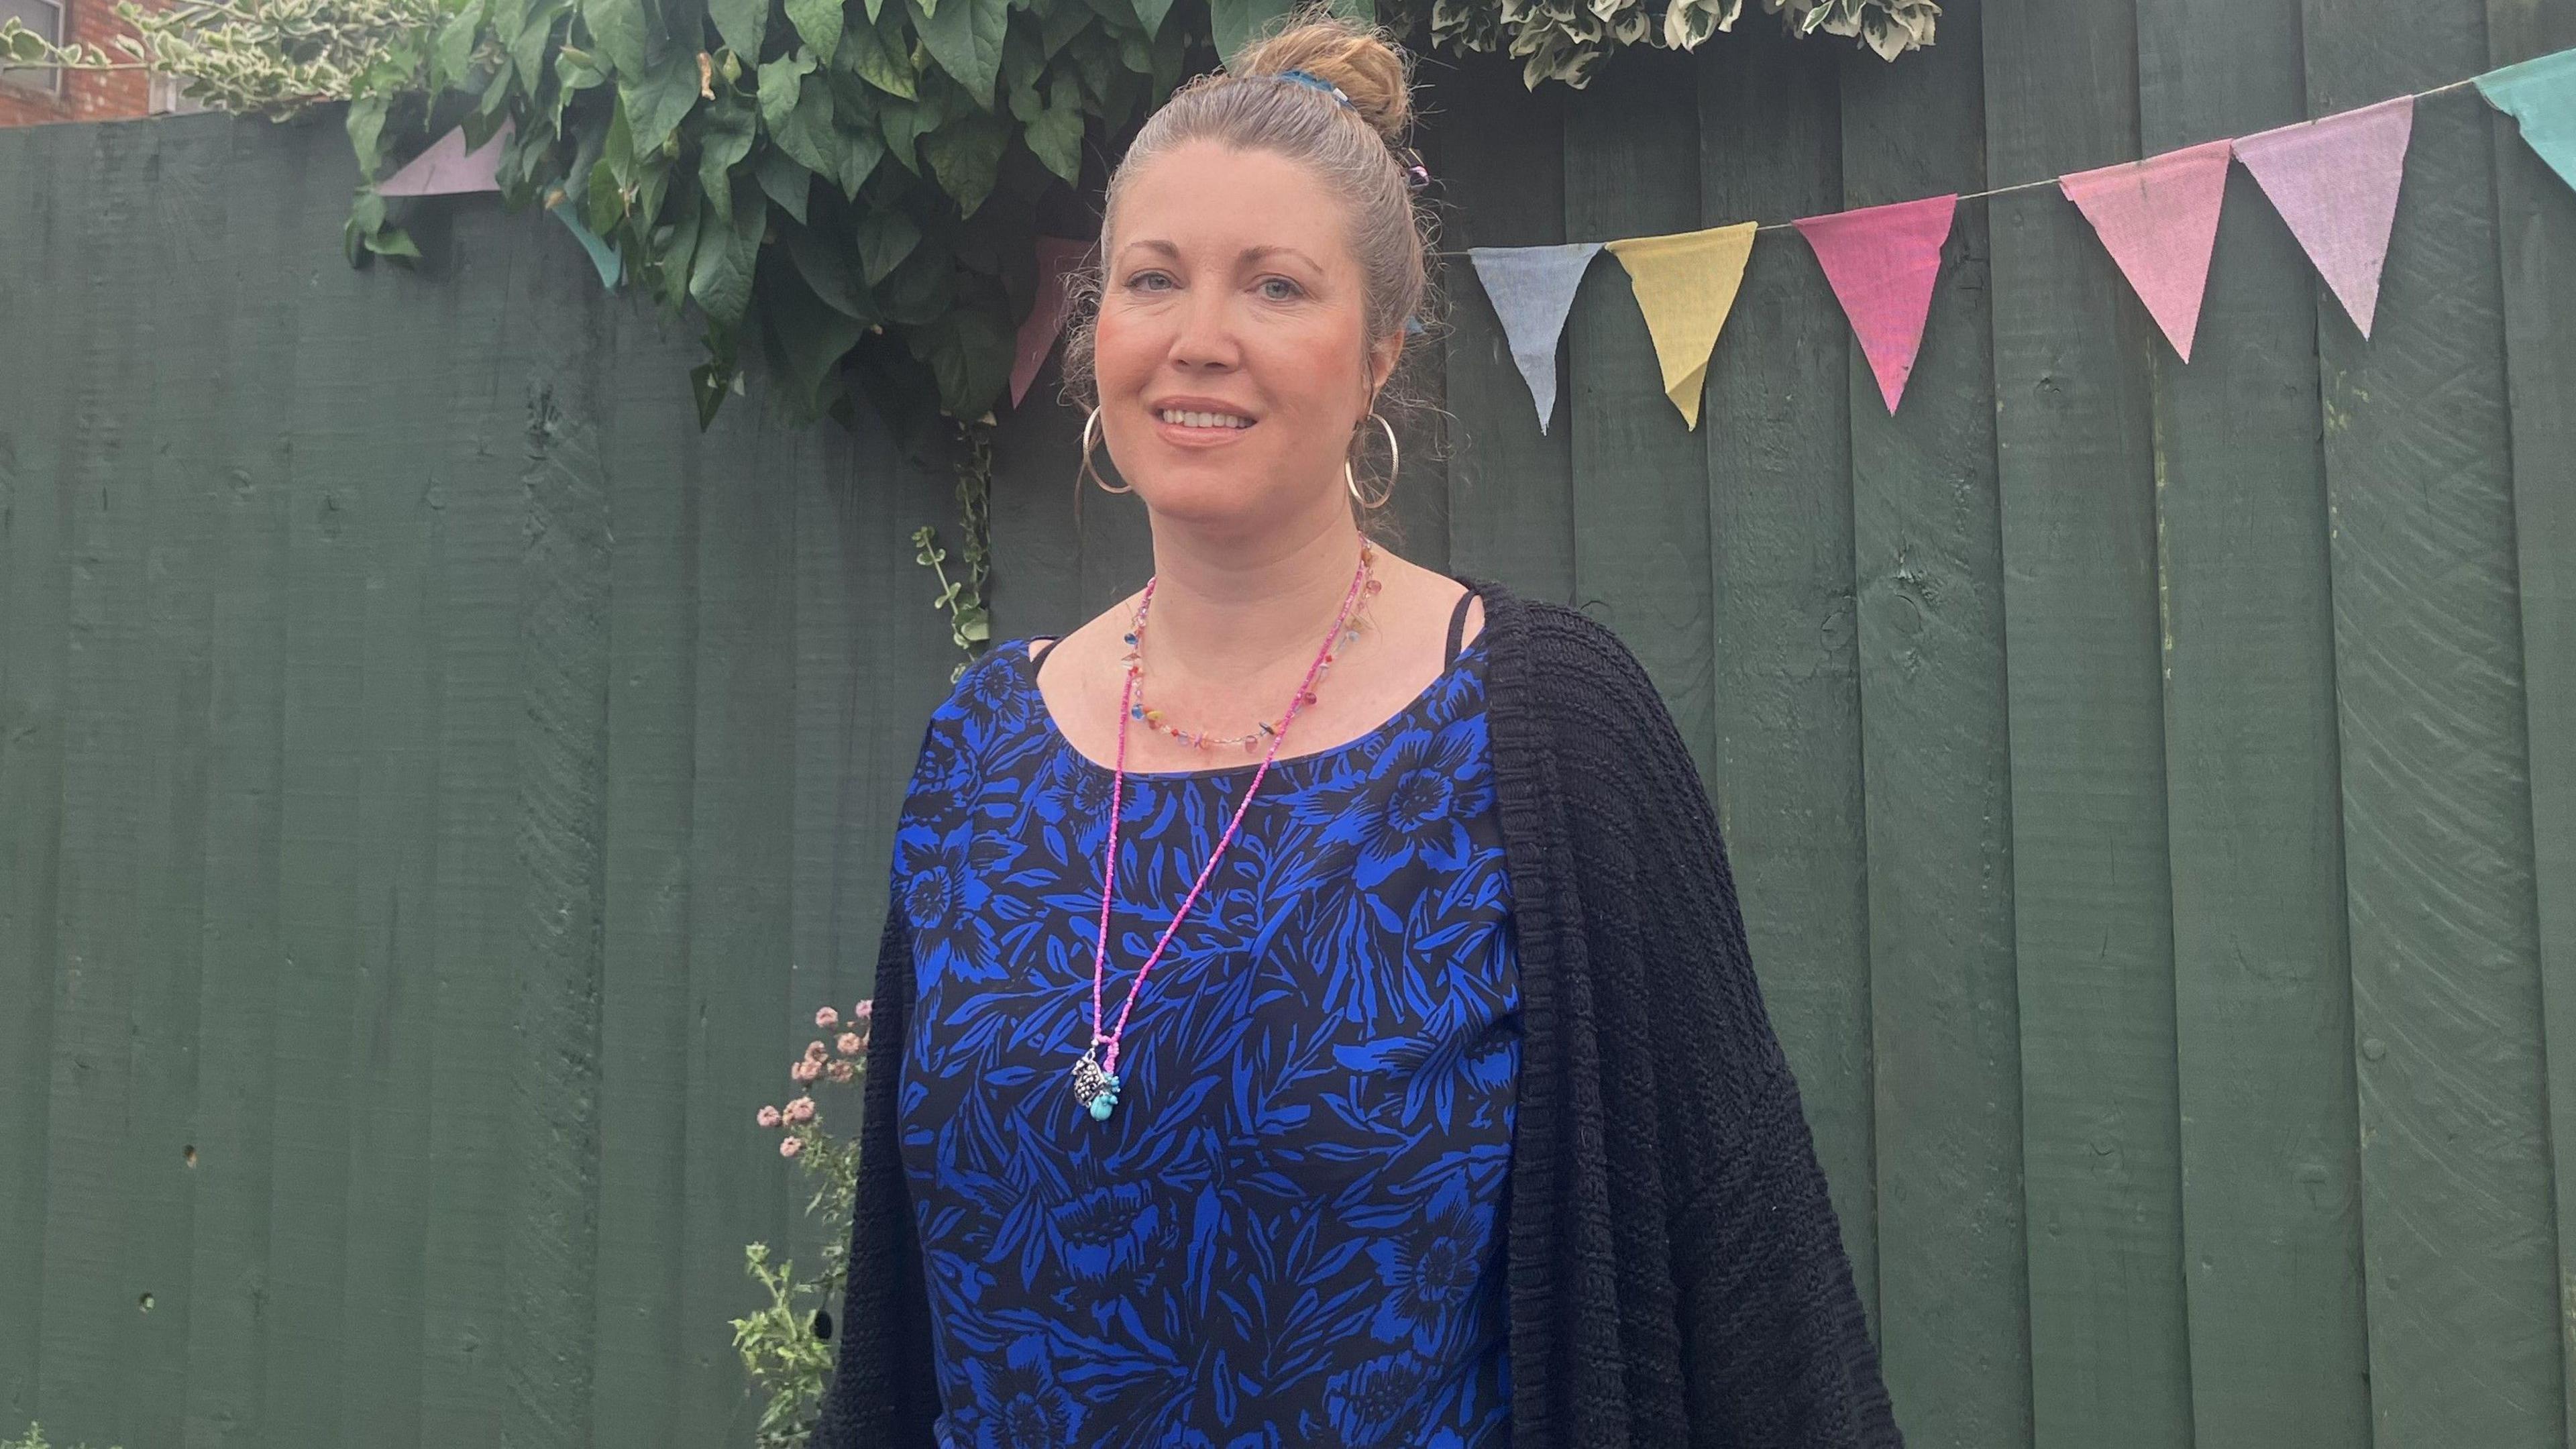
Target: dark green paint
(438, 783)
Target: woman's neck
(1234, 613)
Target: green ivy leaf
(741, 23)
(885, 239)
(965, 38)
(455, 48)
(720, 280)
(366, 123)
(824, 264)
(1239, 22)
(658, 100)
(393, 241)
(968, 351)
(813, 340)
(578, 70)
(819, 22)
(721, 147)
(1055, 136)
(966, 156)
(785, 180)
(1150, 13)
(781, 84)
(872, 60)
(903, 122)
(621, 30)
(675, 252)
(861, 149)
(807, 136)
(527, 44)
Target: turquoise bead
(1100, 1108)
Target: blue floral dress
(1289, 1233)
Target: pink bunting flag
(2158, 218)
(1057, 258)
(1882, 262)
(448, 169)
(2334, 180)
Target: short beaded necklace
(1095, 1074)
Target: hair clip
(1312, 81)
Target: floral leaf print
(1289, 1231)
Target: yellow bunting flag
(1685, 284)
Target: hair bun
(1356, 57)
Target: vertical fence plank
(249, 457)
(1928, 567)
(398, 514)
(2091, 899)
(1511, 489)
(739, 867)
(551, 402)
(2456, 1222)
(2263, 1009)
(2536, 220)
(86, 1289)
(1035, 470)
(1788, 667)
(657, 490)
(331, 409)
(1640, 475)
(46, 232)
(186, 285)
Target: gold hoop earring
(1090, 427)
(1394, 461)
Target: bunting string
(2334, 181)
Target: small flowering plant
(783, 1345)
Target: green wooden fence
(435, 780)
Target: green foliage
(846, 190)
(781, 1344)
(1567, 40)
(35, 1440)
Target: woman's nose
(1206, 337)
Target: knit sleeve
(883, 1393)
(1772, 1344)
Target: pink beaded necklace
(1095, 1074)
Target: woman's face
(1231, 352)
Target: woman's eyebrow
(1249, 255)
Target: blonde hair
(1358, 150)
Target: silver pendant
(1094, 1088)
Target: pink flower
(827, 1018)
(769, 1116)
(852, 1044)
(815, 1051)
(800, 1110)
(790, 1146)
(841, 1072)
(864, 1010)
(806, 1071)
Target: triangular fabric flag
(1882, 262)
(2540, 95)
(1057, 258)
(1532, 288)
(448, 169)
(2159, 220)
(1685, 284)
(606, 258)
(2334, 180)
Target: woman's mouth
(1196, 420)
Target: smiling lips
(1194, 418)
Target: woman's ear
(1383, 355)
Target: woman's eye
(1148, 282)
(1280, 289)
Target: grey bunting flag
(1531, 289)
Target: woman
(1405, 1082)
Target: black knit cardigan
(1675, 1272)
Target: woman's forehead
(1210, 202)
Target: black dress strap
(1457, 628)
(1040, 657)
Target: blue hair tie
(1312, 81)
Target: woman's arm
(1773, 1346)
(884, 1393)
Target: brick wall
(86, 95)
